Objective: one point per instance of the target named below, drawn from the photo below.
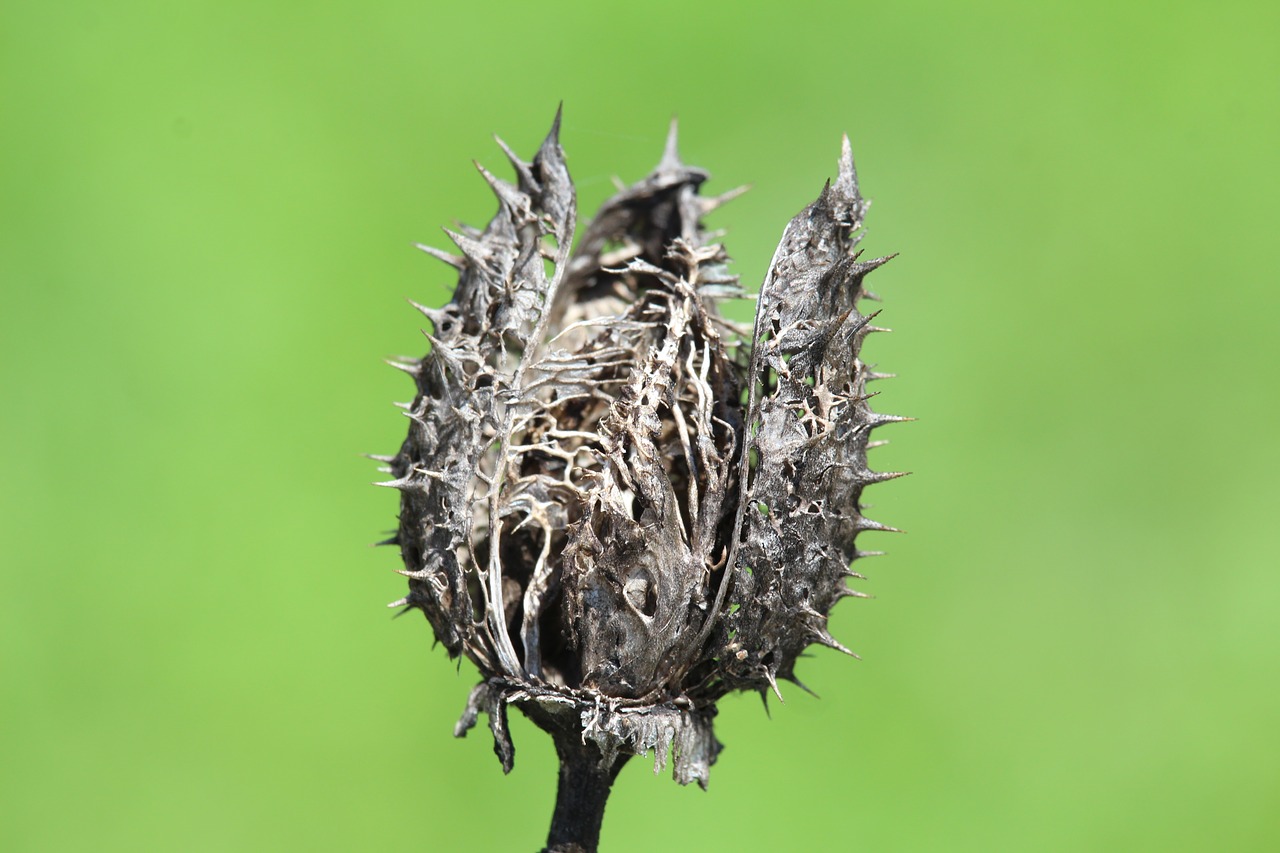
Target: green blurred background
(206, 212)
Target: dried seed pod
(615, 502)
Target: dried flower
(618, 504)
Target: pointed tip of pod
(552, 141)
(670, 161)
(847, 177)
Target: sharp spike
(871, 477)
(773, 682)
(472, 248)
(377, 457)
(864, 523)
(403, 484)
(670, 161)
(394, 540)
(876, 263)
(879, 419)
(798, 683)
(552, 142)
(764, 698)
(441, 255)
(845, 592)
(847, 179)
(421, 575)
(411, 369)
(706, 205)
(521, 167)
(822, 636)
(400, 602)
(507, 193)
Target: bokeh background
(206, 212)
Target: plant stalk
(581, 795)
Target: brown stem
(581, 795)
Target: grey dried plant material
(618, 504)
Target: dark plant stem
(581, 795)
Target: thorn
(404, 484)
(872, 375)
(552, 143)
(421, 575)
(507, 193)
(411, 369)
(822, 636)
(441, 255)
(670, 161)
(859, 555)
(706, 205)
(435, 315)
(864, 523)
(400, 602)
(472, 248)
(868, 478)
(521, 167)
(764, 698)
(798, 683)
(394, 540)
(773, 682)
(847, 180)
(876, 263)
(377, 457)
(845, 592)
(824, 197)
(879, 419)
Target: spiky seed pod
(615, 502)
